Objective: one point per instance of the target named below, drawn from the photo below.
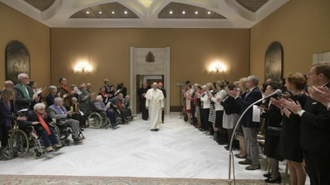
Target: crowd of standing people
(296, 122)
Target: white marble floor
(177, 150)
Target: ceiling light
(171, 12)
(100, 12)
(146, 3)
(113, 12)
(196, 12)
(87, 12)
(208, 12)
(183, 12)
(125, 12)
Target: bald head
(160, 85)
(9, 84)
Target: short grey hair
(74, 98)
(121, 94)
(57, 99)
(99, 97)
(39, 106)
(254, 79)
(21, 75)
(7, 82)
(52, 87)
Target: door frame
(165, 72)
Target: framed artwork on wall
(274, 62)
(17, 60)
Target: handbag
(274, 131)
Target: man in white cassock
(155, 105)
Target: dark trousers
(123, 113)
(205, 119)
(80, 118)
(5, 135)
(223, 134)
(145, 112)
(45, 137)
(192, 105)
(112, 116)
(163, 116)
(317, 167)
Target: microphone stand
(232, 138)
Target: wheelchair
(97, 119)
(21, 140)
(63, 132)
(126, 119)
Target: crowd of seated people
(64, 106)
(296, 122)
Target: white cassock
(155, 101)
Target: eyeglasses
(26, 78)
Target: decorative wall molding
(140, 65)
(319, 57)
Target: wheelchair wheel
(38, 155)
(107, 123)
(19, 142)
(95, 120)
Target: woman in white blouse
(206, 101)
(220, 133)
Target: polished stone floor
(177, 150)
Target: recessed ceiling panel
(252, 5)
(40, 4)
(185, 11)
(109, 10)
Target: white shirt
(206, 101)
(220, 94)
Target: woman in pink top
(187, 106)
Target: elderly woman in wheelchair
(102, 111)
(40, 122)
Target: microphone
(278, 92)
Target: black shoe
(239, 157)
(247, 162)
(267, 175)
(81, 129)
(277, 180)
(226, 147)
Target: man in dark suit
(315, 127)
(250, 127)
(122, 89)
(160, 87)
(141, 93)
(25, 99)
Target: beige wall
(34, 35)
(108, 50)
(301, 26)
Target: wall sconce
(217, 68)
(83, 67)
